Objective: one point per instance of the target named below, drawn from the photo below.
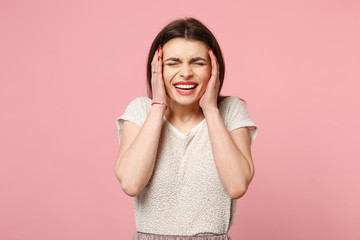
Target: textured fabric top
(184, 195)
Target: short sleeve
(135, 112)
(235, 115)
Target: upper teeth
(185, 86)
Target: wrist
(158, 108)
(211, 111)
(159, 103)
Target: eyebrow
(192, 60)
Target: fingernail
(159, 47)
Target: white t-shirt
(184, 195)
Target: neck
(184, 112)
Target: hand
(209, 99)
(157, 81)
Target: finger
(154, 60)
(214, 67)
(153, 73)
(217, 65)
(154, 70)
(160, 52)
(159, 62)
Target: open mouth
(185, 87)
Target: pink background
(68, 69)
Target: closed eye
(198, 63)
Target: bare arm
(232, 154)
(231, 151)
(138, 146)
(137, 153)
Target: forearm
(137, 163)
(233, 168)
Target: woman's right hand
(157, 81)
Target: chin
(185, 100)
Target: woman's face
(186, 65)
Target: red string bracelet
(162, 103)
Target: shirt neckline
(184, 134)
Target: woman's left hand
(209, 99)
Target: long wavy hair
(191, 29)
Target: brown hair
(188, 28)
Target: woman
(185, 152)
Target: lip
(185, 92)
(186, 83)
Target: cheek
(168, 75)
(205, 75)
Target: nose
(186, 72)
